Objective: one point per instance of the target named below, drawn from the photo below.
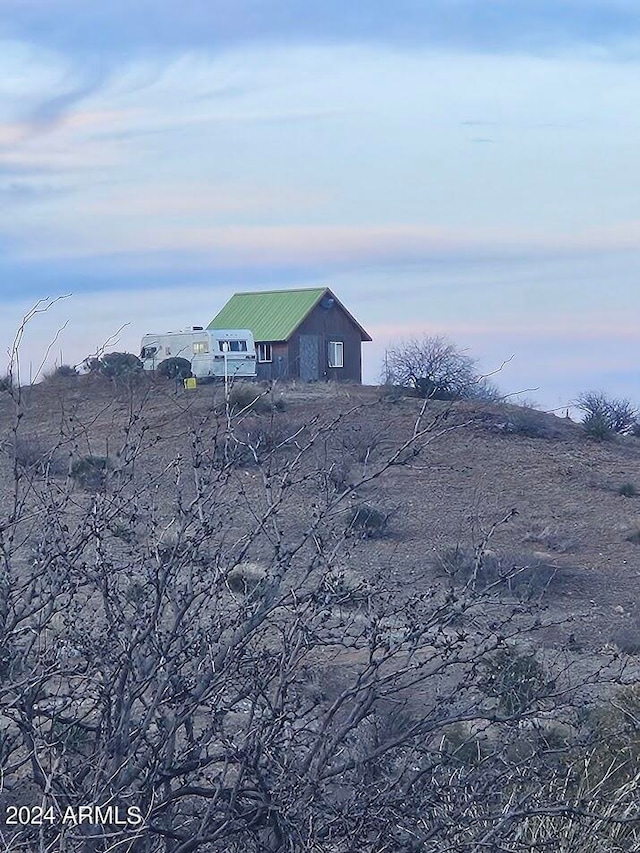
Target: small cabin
(305, 334)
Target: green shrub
(515, 680)
(114, 365)
(65, 371)
(174, 368)
(90, 472)
(627, 490)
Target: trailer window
(336, 354)
(233, 346)
(200, 347)
(265, 353)
(148, 352)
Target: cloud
(120, 27)
(51, 111)
(322, 247)
(21, 192)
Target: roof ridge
(280, 290)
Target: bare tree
(436, 368)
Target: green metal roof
(272, 315)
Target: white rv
(210, 352)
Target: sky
(466, 168)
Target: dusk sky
(467, 168)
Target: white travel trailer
(210, 352)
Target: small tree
(605, 415)
(435, 368)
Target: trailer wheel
(174, 368)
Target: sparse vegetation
(90, 472)
(245, 397)
(627, 490)
(33, 456)
(213, 626)
(524, 576)
(627, 637)
(516, 681)
(367, 521)
(598, 426)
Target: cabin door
(309, 358)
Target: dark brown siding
(329, 325)
(278, 368)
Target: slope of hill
(315, 618)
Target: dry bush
(367, 521)
(552, 539)
(91, 472)
(244, 397)
(524, 576)
(606, 416)
(627, 637)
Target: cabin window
(336, 354)
(200, 347)
(265, 353)
(233, 346)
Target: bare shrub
(33, 455)
(524, 576)
(244, 397)
(606, 415)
